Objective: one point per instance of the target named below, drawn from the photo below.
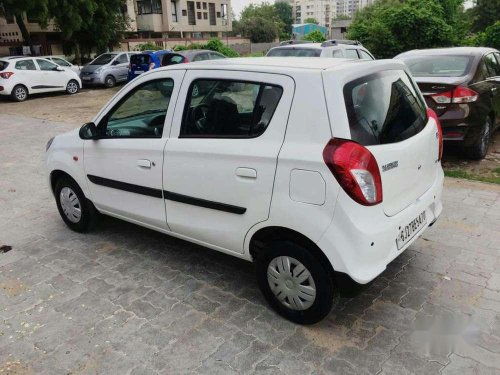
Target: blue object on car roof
(145, 61)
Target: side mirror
(58, 69)
(116, 62)
(88, 131)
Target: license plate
(407, 232)
(86, 78)
(139, 72)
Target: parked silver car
(107, 69)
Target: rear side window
(140, 59)
(172, 60)
(294, 52)
(384, 108)
(364, 55)
(351, 54)
(3, 65)
(25, 65)
(229, 109)
(492, 65)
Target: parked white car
(336, 48)
(62, 62)
(24, 76)
(308, 167)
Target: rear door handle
(246, 172)
(144, 163)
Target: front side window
(103, 59)
(61, 62)
(141, 114)
(46, 65)
(384, 108)
(25, 65)
(351, 54)
(365, 55)
(201, 57)
(122, 59)
(229, 109)
(216, 56)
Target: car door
(30, 75)
(52, 79)
(124, 166)
(493, 67)
(220, 160)
(119, 67)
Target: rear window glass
(384, 108)
(439, 66)
(3, 65)
(294, 52)
(140, 59)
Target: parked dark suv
(462, 85)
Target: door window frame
(103, 122)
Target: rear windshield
(439, 66)
(103, 59)
(294, 52)
(3, 65)
(140, 59)
(384, 108)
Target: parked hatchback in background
(348, 49)
(463, 86)
(64, 63)
(308, 167)
(21, 77)
(145, 61)
(107, 69)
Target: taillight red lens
(6, 75)
(186, 60)
(433, 115)
(355, 169)
(459, 95)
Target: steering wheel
(199, 117)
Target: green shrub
(148, 46)
(213, 44)
(315, 36)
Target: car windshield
(103, 59)
(140, 59)
(3, 65)
(439, 66)
(294, 52)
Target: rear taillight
(459, 95)
(151, 66)
(6, 75)
(432, 114)
(1, 88)
(186, 60)
(355, 169)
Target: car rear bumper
(361, 241)
(461, 121)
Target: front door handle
(144, 163)
(246, 172)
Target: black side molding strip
(151, 192)
(204, 203)
(46, 87)
(157, 193)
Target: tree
(315, 36)
(311, 20)
(18, 8)
(259, 29)
(284, 11)
(484, 13)
(389, 27)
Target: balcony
(150, 22)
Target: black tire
(19, 93)
(110, 81)
(72, 87)
(326, 294)
(88, 216)
(478, 148)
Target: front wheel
(72, 87)
(295, 283)
(109, 82)
(76, 211)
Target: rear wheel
(295, 283)
(19, 93)
(478, 149)
(72, 87)
(76, 211)
(110, 81)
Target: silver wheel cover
(20, 93)
(70, 204)
(72, 87)
(291, 282)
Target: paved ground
(124, 299)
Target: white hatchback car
(23, 76)
(307, 167)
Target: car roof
(472, 51)
(282, 64)
(300, 45)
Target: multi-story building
(321, 10)
(350, 7)
(179, 18)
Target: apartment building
(179, 18)
(350, 7)
(324, 11)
